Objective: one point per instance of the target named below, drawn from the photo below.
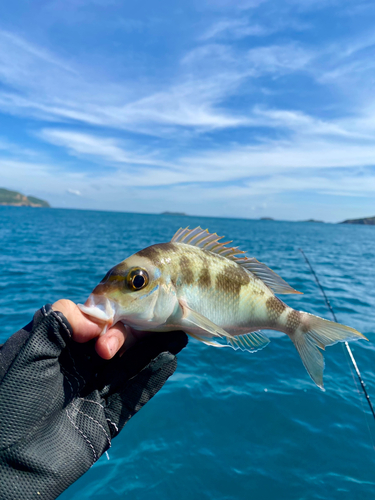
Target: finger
(113, 340)
(84, 328)
(118, 338)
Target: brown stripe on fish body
(275, 308)
(231, 279)
(186, 270)
(196, 266)
(204, 259)
(204, 279)
(155, 253)
(167, 247)
(296, 320)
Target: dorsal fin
(201, 238)
(269, 277)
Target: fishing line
(346, 344)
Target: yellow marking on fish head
(132, 289)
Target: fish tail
(311, 334)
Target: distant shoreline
(367, 221)
(182, 214)
(15, 199)
(22, 204)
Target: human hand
(62, 403)
(119, 336)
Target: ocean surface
(228, 425)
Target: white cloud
(234, 28)
(271, 158)
(48, 88)
(235, 5)
(276, 58)
(101, 148)
(302, 124)
(185, 105)
(76, 192)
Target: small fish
(214, 293)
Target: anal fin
(251, 342)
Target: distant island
(308, 220)
(174, 213)
(367, 221)
(16, 199)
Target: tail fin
(315, 332)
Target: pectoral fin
(205, 341)
(200, 327)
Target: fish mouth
(100, 308)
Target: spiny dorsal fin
(201, 238)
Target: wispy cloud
(268, 158)
(67, 96)
(76, 192)
(96, 147)
(234, 28)
(233, 5)
(210, 75)
(279, 58)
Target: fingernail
(113, 345)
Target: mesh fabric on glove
(61, 404)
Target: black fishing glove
(61, 404)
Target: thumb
(84, 328)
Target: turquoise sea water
(228, 425)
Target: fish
(215, 293)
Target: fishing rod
(346, 344)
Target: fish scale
(221, 301)
(213, 292)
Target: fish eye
(137, 279)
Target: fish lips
(100, 308)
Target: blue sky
(236, 108)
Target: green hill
(17, 199)
(367, 221)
